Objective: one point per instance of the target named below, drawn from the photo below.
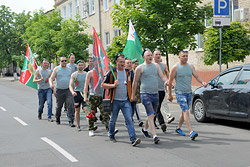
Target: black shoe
(39, 116)
(163, 127)
(145, 133)
(156, 140)
(116, 131)
(52, 114)
(95, 127)
(71, 124)
(140, 124)
(136, 142)
(58, 121)
(112, 138)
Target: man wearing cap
(76, 87)
(120, 96)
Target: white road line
(20, 121)
(59, 149)
(3, 108)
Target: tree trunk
(167, 61)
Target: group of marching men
(127, 84)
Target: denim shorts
(184, 100)
(150, 102)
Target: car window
(244, 77)
(228, 78)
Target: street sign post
(221, 19)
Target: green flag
(29, 67)
(133, 48)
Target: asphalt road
(26, 141)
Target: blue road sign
(221, 7)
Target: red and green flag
(101, 63)
(29, 68)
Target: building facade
(96, 13)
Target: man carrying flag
(29, 67)
(93, 81)
(44, 91)
(133, 48)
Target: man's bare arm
(138, 72)
(197, 77)
(86, 86)
(35, 79)
(170, 84)
(52, 78)
(71, 85)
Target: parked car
(227, 96)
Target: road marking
(20, 121)
(59, 149)
(3, 108)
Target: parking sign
(221, 7)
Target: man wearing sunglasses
(62, 74)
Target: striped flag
(101, 63)
(29, 68)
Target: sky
(18, 6)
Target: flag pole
(111, 69)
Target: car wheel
(199, 110)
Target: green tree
(235, 44)
(11, 41)
(50, 37)
(71, 39)
(39, 33)
(168, 25)
(117, 46)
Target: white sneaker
(170, 119)
(91, 133)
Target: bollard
(15, 76)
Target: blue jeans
(150, 102)
(184, 100)
(43, 95)
(126, 108)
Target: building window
(91, 7)
(76, 7)
(64, 13)
(199, 42)
(105, 5)
(117, 32)
(107, 40)
(84, 8)
(199, 37)
(59, 12)
(70, 11)
(115, 1)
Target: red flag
(101, 63)
(29, 68)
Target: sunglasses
(63, 60)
